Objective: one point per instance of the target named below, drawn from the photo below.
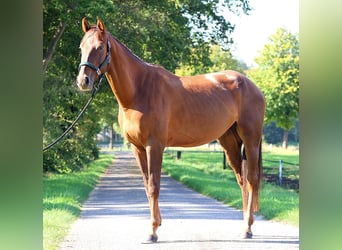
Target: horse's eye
(100, 48)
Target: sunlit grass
(63, 195)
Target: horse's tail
(260, 175)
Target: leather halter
(105, 62)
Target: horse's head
(95, 54)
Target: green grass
(271, 163)
(63, 195)
(204, 173)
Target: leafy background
(175, 34)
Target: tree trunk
(285, 138)
(110, 146)
(53, 44)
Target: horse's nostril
(86, 80)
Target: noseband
(105, 62)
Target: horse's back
(202, 107)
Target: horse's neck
(124, 71)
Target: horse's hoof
(151, 239)
(247, 235)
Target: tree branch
(53, 44)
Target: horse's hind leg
(232, 144)
(251, 137)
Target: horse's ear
(85, 25)
(100, 25)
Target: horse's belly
(197, 134)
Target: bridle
(94, 91)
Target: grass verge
(63, 195)
(203, 173)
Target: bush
(62, 104)
(69, 157)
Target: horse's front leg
(154, 161)
(141, 157)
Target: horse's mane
(127, 49)
(130, 52)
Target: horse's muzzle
(85, 83)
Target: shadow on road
(117, 216)
(121, 192)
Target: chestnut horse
(158, 109)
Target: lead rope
(95, 89)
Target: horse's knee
(153, 190)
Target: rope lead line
(95, 89)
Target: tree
(223, 60)
(160, 32)
(62, 101)
(216, 60)
(278, 77)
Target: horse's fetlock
(156, 223)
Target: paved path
(116, 216)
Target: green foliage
(223, 60)
(62, 105)
(278, 77)
(161, 32)
(63, 196)
(198, 63)
(211, 59)
(273, 134)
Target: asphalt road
(116, 216)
